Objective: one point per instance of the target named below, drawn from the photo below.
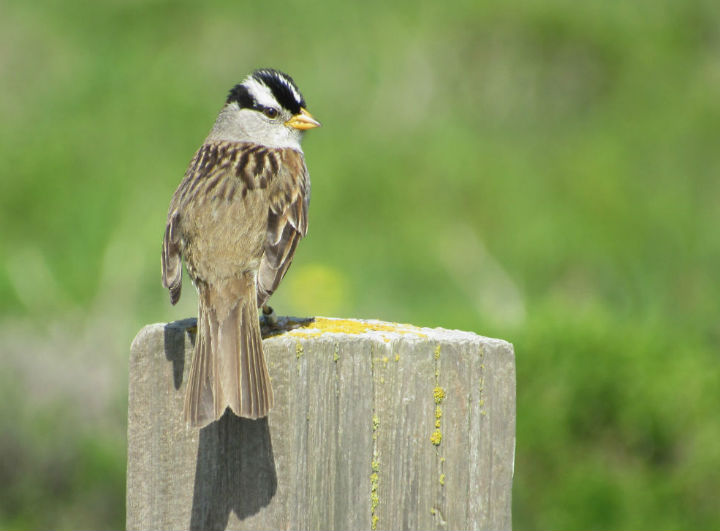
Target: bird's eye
(270, 112)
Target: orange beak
(303, 121)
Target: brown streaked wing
(171, 259)
(287, 219)
(204, 173)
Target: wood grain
(375, 426)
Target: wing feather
(205, 171)
(171, 258)
(287, 221)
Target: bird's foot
(269, 316)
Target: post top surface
(333, 327)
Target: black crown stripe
(278, 83)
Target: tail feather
(228, 368)
(200, 404)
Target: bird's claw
(270, 316)
(192, 329)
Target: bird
(235, 220)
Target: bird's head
(266, 108)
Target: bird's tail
(228, 368)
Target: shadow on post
(235, 467)
(235, 471)
(174, 341)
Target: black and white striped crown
(265, 88)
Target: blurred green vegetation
(542, 171)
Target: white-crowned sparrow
(236, 219)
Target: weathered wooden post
(376, 426)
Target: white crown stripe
(279, 76)
(292, 88)
(262, 94)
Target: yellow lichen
(374, 498)
(323, 325)
(442, 479)
(436, 437)
(375, 466)
(385, 360)
(437, 352)
(438, 394)
(397, 357)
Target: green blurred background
(543, 171)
